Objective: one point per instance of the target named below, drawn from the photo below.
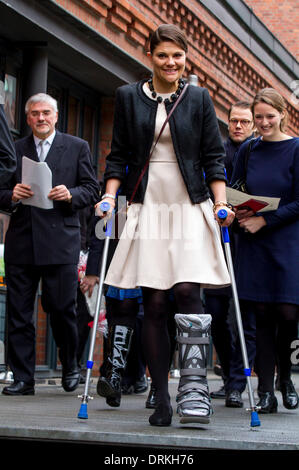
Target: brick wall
(223, 65)
(282, 18)
(41, 335)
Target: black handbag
(240, 183)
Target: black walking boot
(118, 345)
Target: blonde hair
(274, 99)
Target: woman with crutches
(267, 259)
(171, 239)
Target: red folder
(252, 204)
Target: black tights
(157, 308)
(122, 312)
(276, 328)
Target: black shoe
(219, 393)
(113, 401)
(141, 385)
(70, 380)
(233, 399)
(110, 391)
(218, 370)
(162, 415)
(267, 403)
(289, 395)
(151, 401)
(18, 388)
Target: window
(79, 109)
(89, 126)
(73, 117)
(10, 100)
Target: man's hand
(21, 191)
(87, 284)
(60, 193)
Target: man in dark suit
(44, 244)
(7, 150)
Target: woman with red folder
(267, 260)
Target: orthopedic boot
(118, 346)
(193, 400)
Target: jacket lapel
(29, 149)
(55, 153)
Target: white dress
(167, 239)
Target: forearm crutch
(222, 214)
(89, 364)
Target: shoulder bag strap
(154, 146)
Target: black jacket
(195, 136)
(231, 152)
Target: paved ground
(51, 417)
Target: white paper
(39, 176)
(235, 198)
(92, 300)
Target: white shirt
(47, 144)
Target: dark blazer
(39, 236)
(8, 161)
(195, 136)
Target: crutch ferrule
(255, 419)
(83, 411)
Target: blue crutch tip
(255, 419)
(83, 411)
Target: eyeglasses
(243, 122)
